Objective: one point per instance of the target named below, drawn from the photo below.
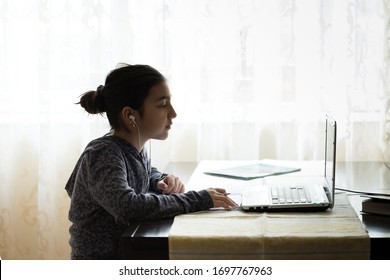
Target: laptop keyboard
(295, 194)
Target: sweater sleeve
(154, 177)
(113, 189)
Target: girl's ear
(126, 113)
(127, 117)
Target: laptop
(313, 195)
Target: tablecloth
(332, 234)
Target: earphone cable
(149, 169)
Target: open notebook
(252, 171)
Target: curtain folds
(249, 79)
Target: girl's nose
(172, 114)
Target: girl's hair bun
(93, 101)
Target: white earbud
(132, 118)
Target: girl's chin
(162, 136)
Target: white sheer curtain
(250, 80)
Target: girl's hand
(220, 199)
(171, 184)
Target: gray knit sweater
(111, 186)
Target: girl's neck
(131, 138)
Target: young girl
(113, 183)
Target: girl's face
(157, 113)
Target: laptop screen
(330, 154)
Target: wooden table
(149, 239)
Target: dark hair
(127, 85)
